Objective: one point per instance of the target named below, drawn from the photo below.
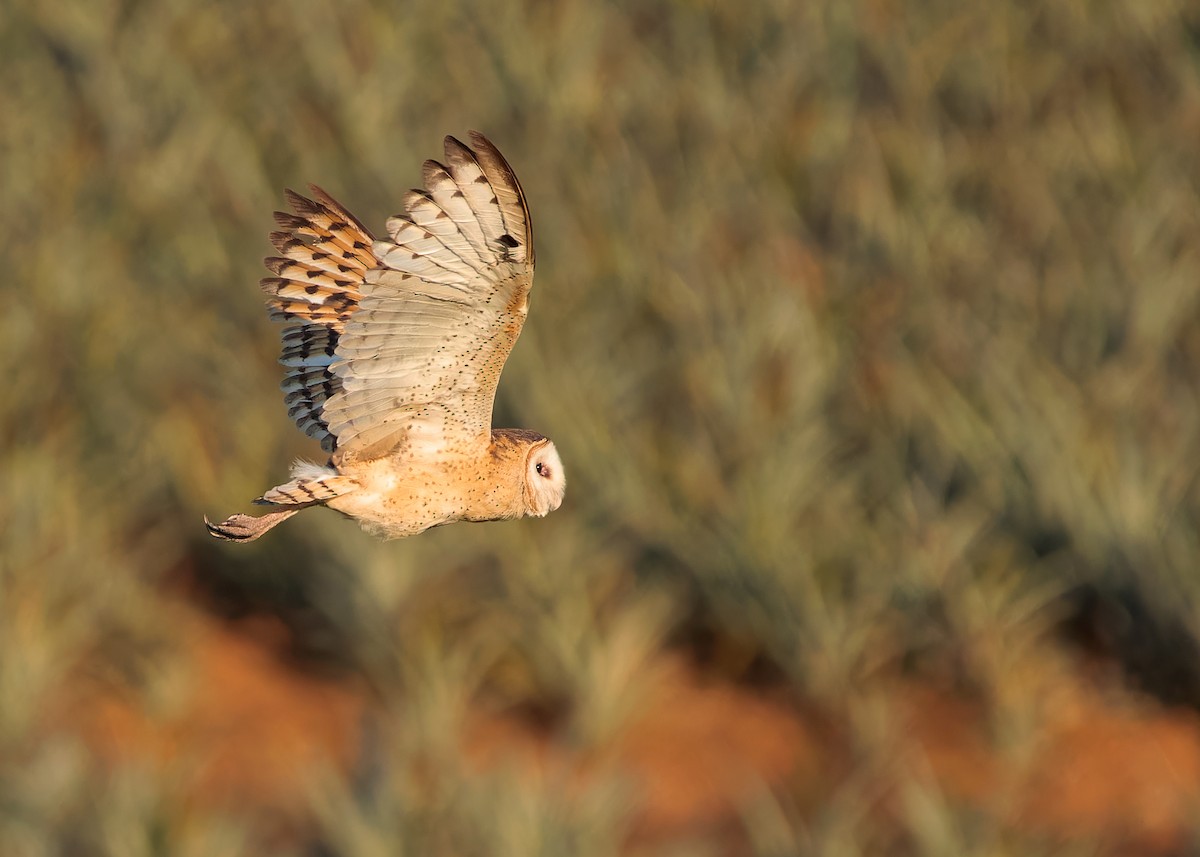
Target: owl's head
(545, 480)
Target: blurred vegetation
(868, 335)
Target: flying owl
(398, 348)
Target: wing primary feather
(509, 195)
(473, 182)
(446, 193)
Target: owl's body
(394, 364)
(397, 497)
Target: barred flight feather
(324, 255)
(508, 197)
(468, 175)
(444, 190)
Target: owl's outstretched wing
(403, 341)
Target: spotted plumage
(395, 348)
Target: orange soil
(1101, 764)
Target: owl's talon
(245, 528)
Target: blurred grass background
(868, 335)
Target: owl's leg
(247, 528)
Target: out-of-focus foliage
(867, 331)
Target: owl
(395, 349)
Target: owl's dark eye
(541, 469)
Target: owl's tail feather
(311, 484)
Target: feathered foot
(246, 528)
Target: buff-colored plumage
(398, 349)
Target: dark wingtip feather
(281, 240)
(279, 264)
(456, 148)
(301, 204)
(488, 155)
(432, 168)
(332, 205)
(325, 199)
(289, 221)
